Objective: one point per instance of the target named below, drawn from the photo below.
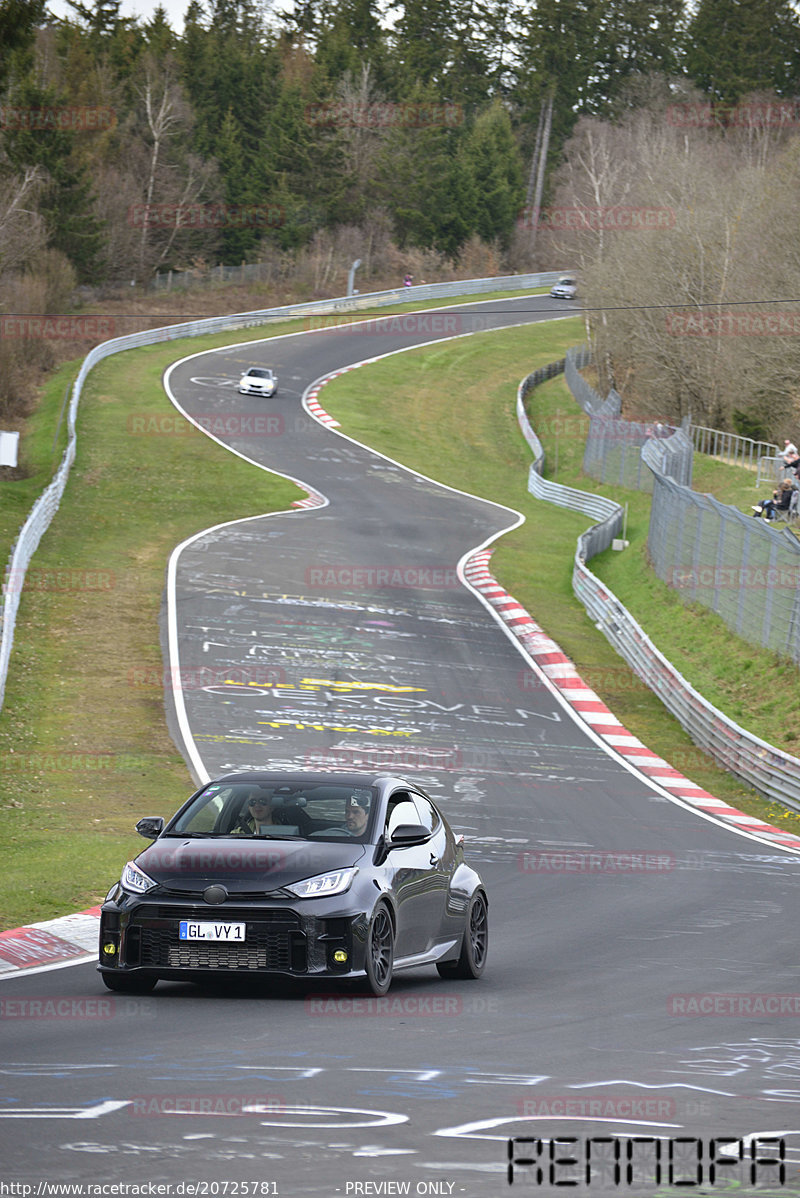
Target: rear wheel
(380, 952)
(127, 985)
(475, 945)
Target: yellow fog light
(110, 949)
(340, 956)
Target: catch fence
(742, 568)
(613, 451)
(764, 767)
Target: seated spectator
(768, 508)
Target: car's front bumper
(141, 938)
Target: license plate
(190, 930)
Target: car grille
(163, 948)
(274, 942)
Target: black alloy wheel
(475, 945)
(380, 952)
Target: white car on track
(565, 288)
(258, 380)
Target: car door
(416, 877)
(441, 864)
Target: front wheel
(122, 984)
(475, 945)
(380, 952)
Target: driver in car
(357, 814)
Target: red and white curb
(554, 663)
(313, 499)
(72, 938)
(315, 408)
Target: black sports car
(350, 876)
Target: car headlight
(135, 880)
(335, 882)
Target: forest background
(653, 148)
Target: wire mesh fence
(744, 570)
(769, 770)
(614, 446)
(577, 359)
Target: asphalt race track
(617, 914)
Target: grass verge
(449, 411)
(83, 741)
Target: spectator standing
(790, 455)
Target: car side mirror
(406, 835)
(150, 827)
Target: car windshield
(259, 374)
(306, 811)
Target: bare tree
(22, 230)
(166, 113)
(679, 287)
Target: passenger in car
(259, 813)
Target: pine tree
(18, 22)
(426, 178)
(66, 198)
(496, 171)
(739, 46)
(240, 193)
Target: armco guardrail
(46, 506)
(767, 769)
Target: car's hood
(240, 864)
